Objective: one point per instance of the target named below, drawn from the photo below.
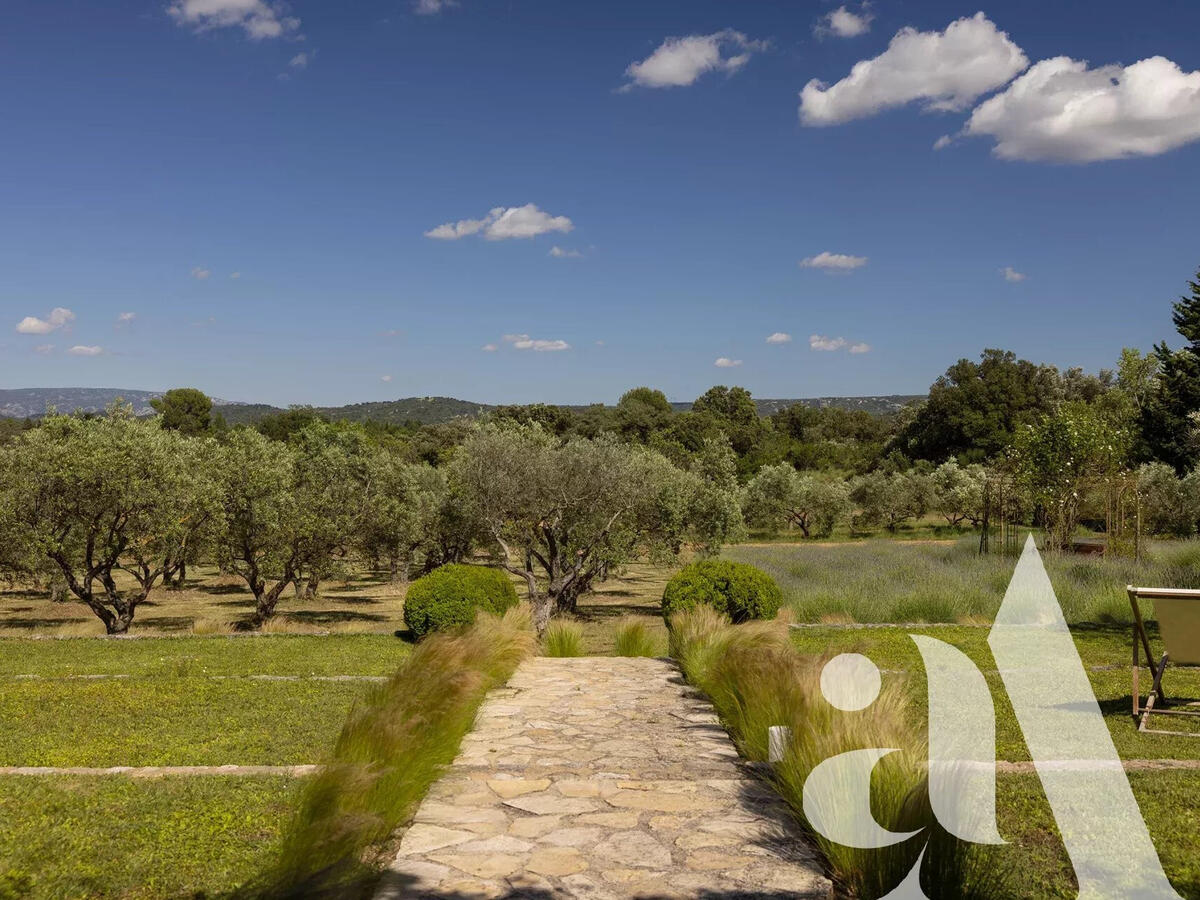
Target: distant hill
(33, 402)
(29, 403)
(24, 403)
(425, 410)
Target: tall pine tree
(1171, 418)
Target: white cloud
(821, 342)
(81, 350)
(943, 142)
(235, 275)
(300, 61)
(1011, 274)
(490, 348)
(680, 61)
(200, 273)
(503, 223)
(385, 378)
(779, 337)
(59, 317)
(1061, 110)
(44, 349)
(946, 69)
(525, 342)
(257, 18)
(559, 253)
(833, 262)
(724, 362)
(126, 317)
(432, 7)
(845, 24)
(833, 344)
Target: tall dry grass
(392, 748)
(756, 679)
(563, 639)
(632, 637)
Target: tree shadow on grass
(615, 611)
(221, 590)
(331, 616)
(351, 601)
(33, 624)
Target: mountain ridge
(21, 403)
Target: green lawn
(1170, 800)
(137, 838)
(271, 654)
(171, 721)
(183, 702)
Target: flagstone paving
(600, 778)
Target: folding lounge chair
(1178, 615)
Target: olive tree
(891, 499)
(563, 514)
(92, 496)
(958, 492)
(403, 517)
(1171, 505)
(259, 509)
(332, 469)
(780, 496)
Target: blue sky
(151, 150)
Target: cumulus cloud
(125, 318)
(503, 223)
(943, 142)
(947, 70)
(559, 253)
(1063, 111)
(779, 337)
(432, 7)
(833, 262)
(845, 24)
(385, 378)
(821, 342)
(490, 348)
(200, 273)
(680, 61)
(1011, 274)
(300, 61)
(59, 317)
(525, 342)
(724, 362)
(257, 18)
(833, 344)
(44, 349)
(81, 350)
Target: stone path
(601, 778)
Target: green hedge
(739, 591)
(449, 597)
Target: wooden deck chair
(1178, 615)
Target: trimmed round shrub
(739, 591)
(451, 595)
